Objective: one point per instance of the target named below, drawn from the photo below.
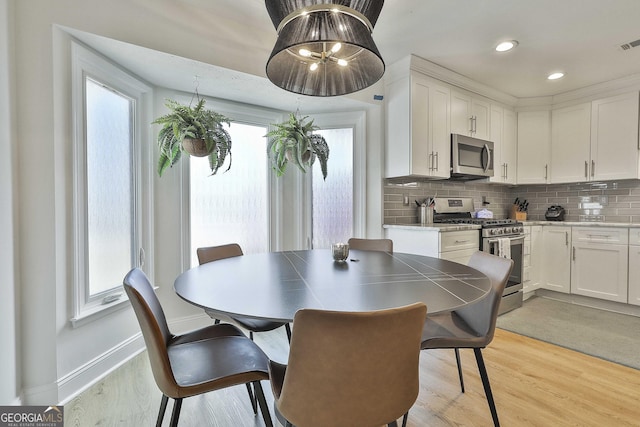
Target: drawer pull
(462, 241)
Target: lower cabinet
(634, 266)
(599, 263)
(556, 258)
(457, 246)
(532, 258)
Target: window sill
(90, 314)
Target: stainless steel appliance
(555, 213)
(471, 158)
(501, 237)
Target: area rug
(610, 336)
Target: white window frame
(86, 63)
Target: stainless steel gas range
(501, 237)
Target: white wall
(58, 360)
(9, 386)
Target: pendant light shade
(324, 48)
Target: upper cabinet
(571, 143)
(503, 133)
(418, 140)
(614, 137)
(470, 116)
(534, 137)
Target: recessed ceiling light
(555, 76)
(505, 46)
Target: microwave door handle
(486, 164)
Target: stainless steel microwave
(471, 158)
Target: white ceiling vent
(627, 46)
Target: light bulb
(336, 47)
(505, 46)
(555, 76)
(313, 66)
(305, 52)
(342, 62)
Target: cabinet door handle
(566, 238)
(593, 168)
(574, 253)
(586, 169)
(546, 171)
(430, 162)
(506, 171)
(437, 162)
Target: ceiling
(580, 37)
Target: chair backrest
(215, 253)
(381, 245)
(153, 324)
(355, 369)
(482, 315)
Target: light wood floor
(534, 384)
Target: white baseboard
(77, 381)
(88, 374)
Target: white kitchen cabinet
(457, 246)
(634, 266)
(470, 116)
(571, 144)
(599, 264)
(534, 137)
(614, 137)
(532, 258)
(503, 133)
(418, 140)
(556, 258)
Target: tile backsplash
(613, 201)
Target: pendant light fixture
(324, 48)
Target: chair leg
(251, 335)
(393, 424)
(252, 397)
(404, 419)
(459, 369)
(487, 386)
(216, 322)
(288, 329)
(163, 409)
(177, 405)
(266, 416)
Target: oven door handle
(512, 239)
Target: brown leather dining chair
(350, 369)
(197, 362)
(215, 253)
(472, 326)
(381, 245)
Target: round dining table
(274, 285)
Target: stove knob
(492, 231)
(497, 231)
(507, 230)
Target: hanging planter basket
(196, 147)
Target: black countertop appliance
(555, 213)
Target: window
(109, 181)
(232, 207)
(332, 199)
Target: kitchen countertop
(434, 227)
(584, 224)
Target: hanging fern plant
(294, 141)
(195, 130)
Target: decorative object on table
(195, 130)
(294, 141)
(324, 49)
(340, 251)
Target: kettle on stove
(555, 213)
